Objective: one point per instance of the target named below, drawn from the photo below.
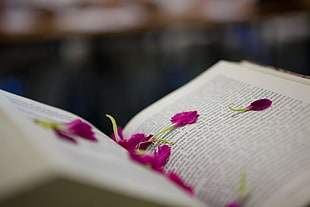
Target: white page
(272, 144)
(103, 164)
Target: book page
(272, 145)
(103, 164)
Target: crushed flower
(257, 105)
(137, 144)
(69, 131)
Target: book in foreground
(39, 169)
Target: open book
(273, 145)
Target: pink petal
(181, 119)
(177, 179)
(162, 155)
(235, 203)
(145, 159)
(135, 139)
(260, 104)
(82, 129)
(124, 143)
(64, 135)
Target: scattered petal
(177, 179)
(235, 203)
(156, 161)
(257, 105)
(82, 129)
(181, 119)
(162, 155)
(64, 135)
(260, 104)
(136, 142)
(69, 130)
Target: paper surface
(103, 164)
(273, 144)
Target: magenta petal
(162, 155)
(145, 159)
(135, 139)
(82, 129)
(64, 135)
(124, 143)
(260, 104)
(181, 119)
(235, 203)
(177, 179)
(156, 161)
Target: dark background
(123, 71)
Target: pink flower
(181, 119)
(257, 105)
(177, 179)
(138, 143)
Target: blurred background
(93, 57)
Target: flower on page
(69, 131)
(137, 144)
(257, 105)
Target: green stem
(117, 138)
(158, 140)
(244, 109)
(164, 140)
(162, 131)
(242, 183)
(48, 124)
